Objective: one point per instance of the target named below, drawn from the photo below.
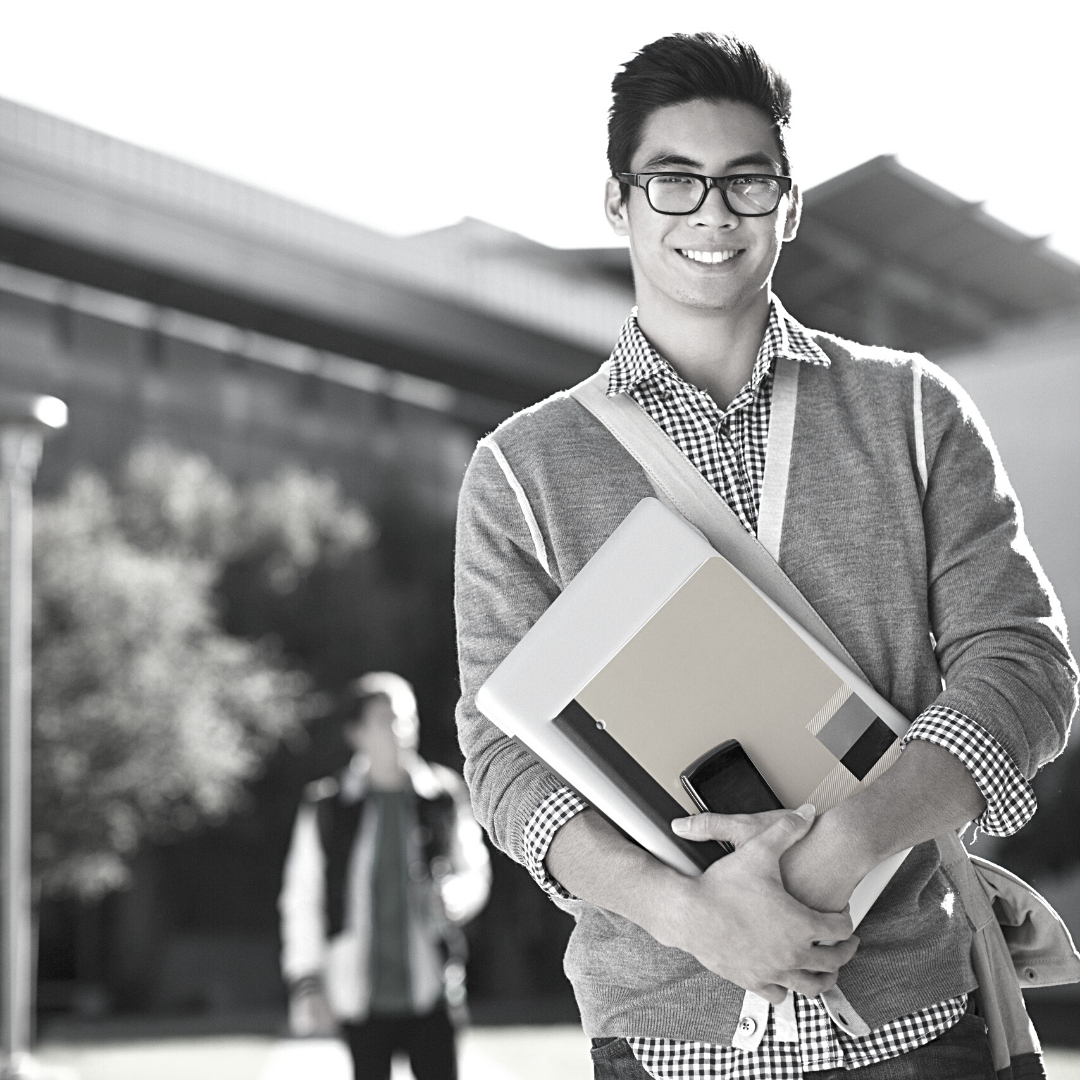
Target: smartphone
(726, 781)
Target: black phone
(726, 781)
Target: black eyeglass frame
(641, 180)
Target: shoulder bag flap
(1039, 942)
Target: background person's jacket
(325, 901)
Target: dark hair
(352, 703)
(391, 688)
(686, 67)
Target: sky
(409, 116)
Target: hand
(738, 920)
(822, 870)
(309, 1013)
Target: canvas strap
(681, 487)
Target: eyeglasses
(745, 194)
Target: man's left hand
(816, 870)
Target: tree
(148, 717)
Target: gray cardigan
(927, 587)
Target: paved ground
(521, 1053)
(511, 1053)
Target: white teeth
(708, 256)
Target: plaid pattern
(550, 816)
(727, 446)
(820, 1047)
(899, 1037)
(1010, 801)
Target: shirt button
(747, 1025)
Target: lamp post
(25, 419)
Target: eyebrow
(665, 159)
(757, 158)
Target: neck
(386, 775)
(713, 350)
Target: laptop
(660, 650)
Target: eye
(753, 185)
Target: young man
(386, 863)
(900, 528)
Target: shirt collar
(634, 360)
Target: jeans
(428, 1040)
(961, 1053)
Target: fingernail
(807, 811)
(681, 825)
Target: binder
(659, 650)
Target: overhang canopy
(885, 256)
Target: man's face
(713, 138)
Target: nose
(713, 212)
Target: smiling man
(897, 524)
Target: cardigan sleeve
(501, 589)
(1010, 801)
(999, 629)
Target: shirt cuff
(1010, 801)
(550, 816)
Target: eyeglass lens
(752, 196)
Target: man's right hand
(736, 919)
(739, 921)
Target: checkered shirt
(820, 1047)
(727, 446)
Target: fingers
(831, 927)
(736, 828)
(773, 992)
(785, 831)
(830, 957)
(810, 983)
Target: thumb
(786, 831)
(736, 828)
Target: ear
(794, 213)
(615, 209)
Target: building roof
(885, 256)
(83, 206)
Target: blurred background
(286, 264)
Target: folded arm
(1009, 680)
(736, 919)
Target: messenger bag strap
(682, 488)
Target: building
(164, 302)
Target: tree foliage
(148, 717)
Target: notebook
(659, 650)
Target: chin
(715, 300)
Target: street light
(25, 420)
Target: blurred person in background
(385, 865)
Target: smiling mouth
(707, 257)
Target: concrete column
(20, 451)
(24, 421)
